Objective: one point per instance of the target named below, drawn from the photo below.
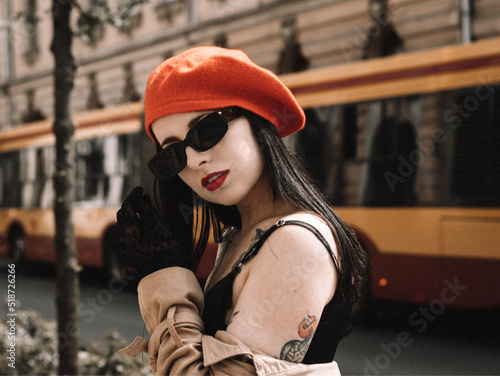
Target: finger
(135, 197)
(132, 196)
(146, 209)
(124, 219)
(126, 214)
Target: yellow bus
(111, 153)
(405, 147)
(108, 165)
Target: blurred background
(402, 136)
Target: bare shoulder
(304, 239)
(292, 277)
(294, 249)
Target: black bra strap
(256, 246)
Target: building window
(169, 9)
(130, 16)
(31, 50)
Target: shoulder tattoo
(255, 239)
(258, 234)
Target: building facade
(113, 65)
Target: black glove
(142, 239)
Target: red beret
(205, 78)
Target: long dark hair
(289, 182)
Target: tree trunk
(67, 284)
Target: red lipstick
(214, 180)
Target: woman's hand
(142, 239)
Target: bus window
(391, 147)
(10, 192)
(44, 177)
(106, 169)
(475, 177)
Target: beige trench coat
(171, 302)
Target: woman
(288, 269)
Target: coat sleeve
(171, 302)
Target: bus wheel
(16, 247)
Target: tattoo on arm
(295, 350)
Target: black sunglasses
(204, 135)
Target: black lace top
(335, 321)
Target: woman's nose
(195, 158)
